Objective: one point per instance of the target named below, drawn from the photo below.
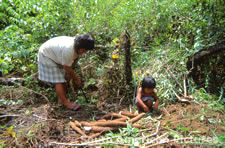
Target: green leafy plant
(183, 129)
(129, 131)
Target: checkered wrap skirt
(53, 74)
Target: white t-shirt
(58, 50)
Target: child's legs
(139, 107)
(149, 104)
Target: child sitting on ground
(146, 95)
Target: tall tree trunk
(128, 71)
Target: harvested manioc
(77, 123)
(136, 125)
(110, 123)
(120, 119)
(118, 115)
(84, 123)
(107, 116)
(101, 129)
(72, 124)
(101, 120)
(90, 136)
(103, 125)
(135, 119)
(113, 115)
(128, 114)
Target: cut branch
(156, 139)
(154, 134)
(172, 76)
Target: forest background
(164, 35)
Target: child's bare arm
(156, 104)
(139, 93)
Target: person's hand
(155, 107)
(68, 77)
(146, 109)
(78, 82)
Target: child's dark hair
(84, 41)
(148, 82)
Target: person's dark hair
(84, 41)
(148, 82)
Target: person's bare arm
(71, 73)
(155, 107)
(145, 107)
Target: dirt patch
(194, 118)
(37, 123)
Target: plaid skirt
(53, 74)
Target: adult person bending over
(55, 59)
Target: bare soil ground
(37, 123)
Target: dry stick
(166, 111)
(175, 79)
(217, 118)
(181, 100)
(144, 130)
(128, 114)
(72, 124)
(135, 119)
(88, 145)
(154, 134)
(101, 140)
(33, 91)
(2, 116)
(175, 140)
(72, 87)
(177, 96)
(185, 88)
(156, 139)
(74, 144)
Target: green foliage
(129, 131)
(25, 25)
